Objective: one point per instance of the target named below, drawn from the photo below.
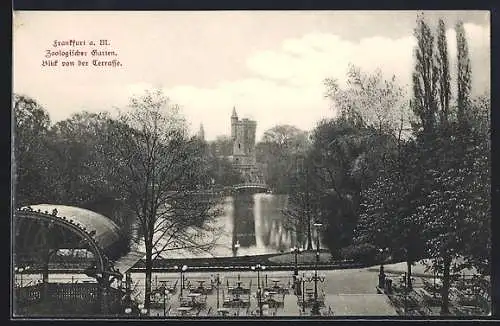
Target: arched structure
(66, 227)
(40, 231)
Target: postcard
(251, 164)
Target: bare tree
(161, 172)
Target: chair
(173, 288)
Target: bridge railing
(250, 185)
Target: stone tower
(243, 136)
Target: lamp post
(296, 251)
(217, 283)
(165, 302)
(315, 278)
(381, 274)
(405, 294)
(142, 310)
(236, 246)
(303, 281)
(128, 311)
(315, 310)
(164, 291)
(21, 270)
(259, 268)
(183, 269)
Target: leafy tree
(223, 172)
(284, 136)
(338, 155)
(78, 149)
(454, 188)
(218, 161)
(277, 151)
(31, 161)
(221, 146)
(387, 218)
(443, 69)
(375, 99)
(354, 148)
(463, 74)
(425, 77)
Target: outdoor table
(275, 281)
(193, 296)
(201, 283)
(184, 310)
(238, 289)
(223, 311)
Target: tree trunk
(46, 261)
(45, 275)
(445, 290)
(408, 281)
(103, 285)
(309, 235)
(149, 272)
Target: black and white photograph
(250, 164)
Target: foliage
(432, 198)
(373, 98)
(463, 74)
(221, 146)
(363, 252)
(443, 70)
(223, 172)
(425, 77)
(79, 149)
(278, 152)
(31, 160)
(387, 218)
(350, 151)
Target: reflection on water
(258, 225)
(271, 232)
(253, 221)
(243, 219)
(251, 224)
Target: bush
(363, 253)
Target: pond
(250, 224)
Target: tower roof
(234, 115)
(201, 132)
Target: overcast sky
(270, 65)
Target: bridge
(251, 186)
